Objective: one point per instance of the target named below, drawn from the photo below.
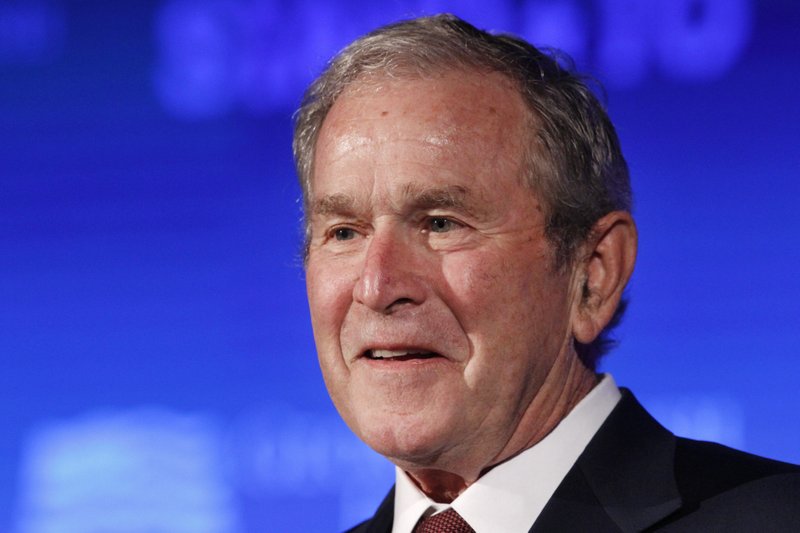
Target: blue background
(159, 371)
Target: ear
(603, 271)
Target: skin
(425, 240)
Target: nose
(392, 276)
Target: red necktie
(448, 521)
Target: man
(469, 238)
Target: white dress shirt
(510, 497)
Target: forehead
(449, 93)
(474, 114)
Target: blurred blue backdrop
(159, 372)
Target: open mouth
(399, 355)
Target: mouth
(399, 355)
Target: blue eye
(441, 225)
(344, 234)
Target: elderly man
(469, 239)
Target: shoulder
(705, 469)
(733, 490)
(693, 485)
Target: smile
(399, 355)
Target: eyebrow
(334, 204)
(414, 198)
(454, 197)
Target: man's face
(436, 313)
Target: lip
(416, 354)
(402, 364)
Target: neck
(438, 485)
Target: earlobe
(604, 271)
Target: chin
(407, 440)
(409, 421)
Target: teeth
(388, 354)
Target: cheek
(481, 287)
(510, 307)
(485, 302)
(329, 297)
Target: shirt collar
(511, 495)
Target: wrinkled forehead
(471, 111)
(444, 91)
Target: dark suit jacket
(636, 476)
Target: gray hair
(574, 161)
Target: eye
(344, 234)
(441, 225)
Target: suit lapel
(623, 481)
(574, 507)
